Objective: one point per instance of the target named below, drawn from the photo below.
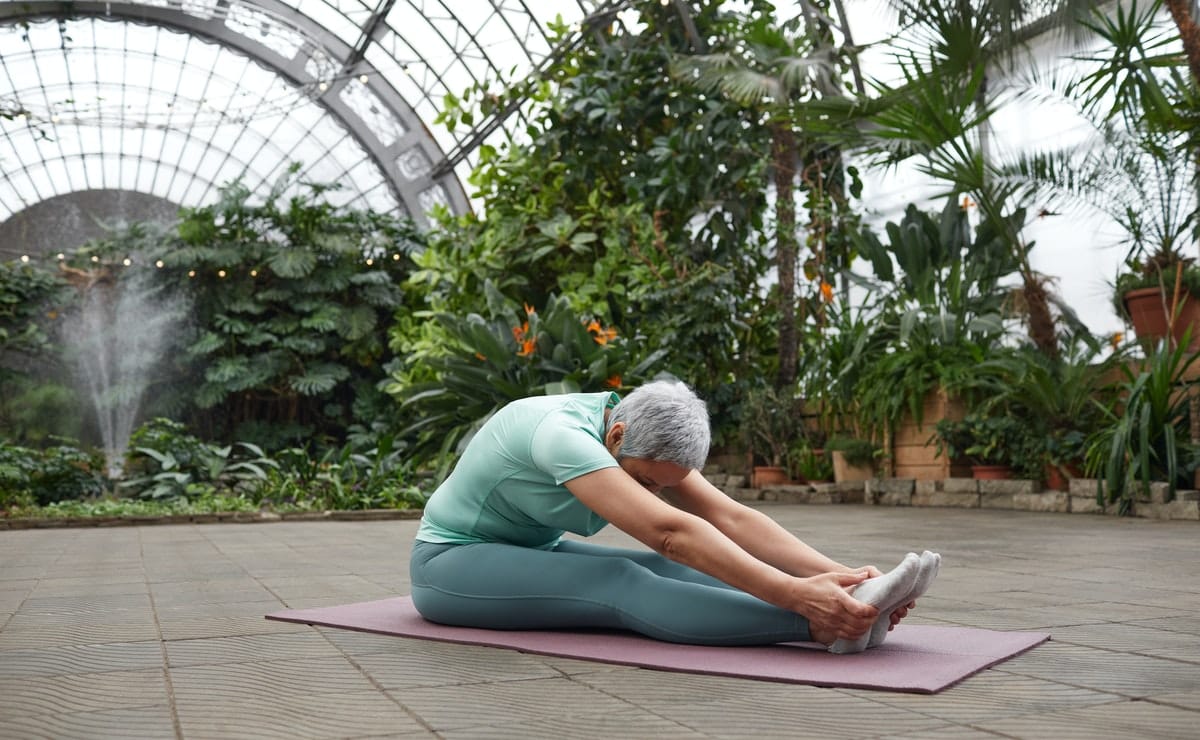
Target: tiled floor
(158, 632)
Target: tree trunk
(1189, 33)
(783, 159)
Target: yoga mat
(916, 658)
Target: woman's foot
(928, 570)
(886, 592)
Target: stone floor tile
(68, 659)
(347, 586)
(93, 605)
(1123, 719)
(88, 587)
(189, 628)
(631, 723)
(252, 608)
(152, 723)
(249, 648)
(990, 695)
(1126, 674)
(21, 635)
(81, 692)
(445, 708)
(310, 715)
(422, 663)
(272, 679)
(945, 732)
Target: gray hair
(666, 422)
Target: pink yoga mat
(916, 658)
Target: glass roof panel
(177, 97)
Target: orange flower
(826, 292)
(519, 332)
(594, 327)
(967, 202)
(613, 382)
(527, 347)
(529, 310)
(480, 357)
(1116, 340)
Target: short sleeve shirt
(509, 484)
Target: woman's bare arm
(689, 539)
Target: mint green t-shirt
(508, 485)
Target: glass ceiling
(174, 98)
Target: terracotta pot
(991, 472)
(768, 475)
(1056, 480)
(844, 471)
(1149, 310)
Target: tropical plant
(641, 205)
(857, 452)
(771, 426)
(42, 477)
(1144, 429)
(517, 353)
(164, 461)
(772, 68)
(991, 438)
(290, 301)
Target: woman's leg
(507, 587)
(648, 559)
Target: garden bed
(229, 517)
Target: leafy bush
(520, 352)
(45, 476)
(166, 462)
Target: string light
(191, 273)
(158, 264)
(127, 262)
(396, 257)
(254, 273)
(370, 261)
(61, 256)
(220, 273)
(25, 258)
(363, 79)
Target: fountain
(120, 334)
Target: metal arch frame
(408, 192)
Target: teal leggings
(581, 585)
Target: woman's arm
(687, 538)
(752, 530)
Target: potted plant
(853, 459)
(1144, 435)
(770, 425)
(1139, 168)
(992, 443)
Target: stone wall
(967, 493)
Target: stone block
(891, 491)
(1056, 501)
(948, 498)
(1187, 495)
(737, 481)
(995, 499)
(1085, 505)
(926, 487)
(786, 494)
(1009, 487)
(961, 485)
(1159, 492)
(1189, 510)
(1083, 487)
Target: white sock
(927, 571)
(885, 592)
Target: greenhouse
(922, 272)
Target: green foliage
(858, 452)
(771, 425)
(290, 301)
(1144, 427)
(986, 440)
(165, 462)
(519, 352)
(369, 472)
(43, 477)
(640, 205)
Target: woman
(489, 552)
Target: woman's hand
(831, 611)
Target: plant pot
(768, 475)
(844, 471)
(1150, 309)
(991, 472)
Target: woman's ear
(614, 437)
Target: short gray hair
(665, 421)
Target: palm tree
(938, 117)
(775, 68)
